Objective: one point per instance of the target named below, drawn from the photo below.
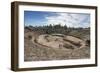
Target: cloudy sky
(38, 18)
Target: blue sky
(40, 18)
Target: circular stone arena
(59, 41)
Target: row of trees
(49, 29)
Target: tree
(65, 26)
(29, 37)
(87, 42)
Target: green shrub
(29, 37)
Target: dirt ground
(55, 47)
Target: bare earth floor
(55, 47)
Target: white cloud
(70, 19)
